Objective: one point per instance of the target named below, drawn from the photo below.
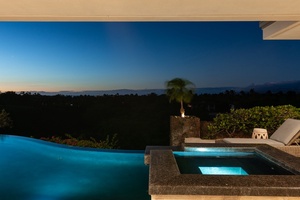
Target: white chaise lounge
(285, 135)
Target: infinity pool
(32, 169)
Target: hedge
(244, 120)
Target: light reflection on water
(226, 161)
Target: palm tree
(180, 90)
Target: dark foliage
(138, 121)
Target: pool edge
(166, 180)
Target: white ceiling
(285, 13)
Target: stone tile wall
(182, 127)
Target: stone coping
(293, 150)
(166, 179)
(149, 148)
(197, 140)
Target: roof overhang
(286, 30)
(285, 13)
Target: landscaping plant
(5, 120)
(108, 143)
(180, 90)
(242, 121)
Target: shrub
(5, 120)
(244, 120)
(108, 143)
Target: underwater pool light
(223, 171)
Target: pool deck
(166, 181)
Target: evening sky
(56, 56)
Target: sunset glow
(106, 56)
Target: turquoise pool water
(32, 169)
(226, 161)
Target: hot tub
(169, 181)
(224, 161)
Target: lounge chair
(285, 135)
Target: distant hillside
(276, 87)
(273, 87)
(215, 90)
(105, 92)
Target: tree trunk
(182, 112)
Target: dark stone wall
(181, 128)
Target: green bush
(5, 120)
(108, 143)
(244, 120)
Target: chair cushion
(287, 131)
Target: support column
(182, 127)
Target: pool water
(31, 169)
(226, 163)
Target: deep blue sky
(105, 56)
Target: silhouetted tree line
(137, 120)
